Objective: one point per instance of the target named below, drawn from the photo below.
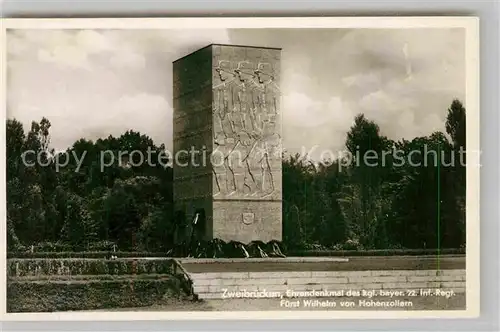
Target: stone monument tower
(227, 141)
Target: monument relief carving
(246, 137)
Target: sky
(93, 83)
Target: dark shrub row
(206, 249)
(85, 254)
(232, 250)
(49, 296)
(63, 246)
(83, 266)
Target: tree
(15, 142)
(372, 203)
(456, 128)
(455, 124)
(366, 146)
(79, 228)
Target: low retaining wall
(216, 285)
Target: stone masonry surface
(227, 103)
(213, 285)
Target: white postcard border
(471, 24)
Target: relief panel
(246, 124)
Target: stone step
(331, 287)
(323, 280)
(220, 296)
(218, 285)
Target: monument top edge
(229, 45)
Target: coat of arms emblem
(248, 218)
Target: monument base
(247, 221)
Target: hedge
(290, 253)
(62, 246)
(85, 254)
(50, 296)
(83, 266)
(89, 277)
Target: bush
(102, 246)
(50, 247)
(72, 267)
(351, 244)
(50, 296)
(85, 254)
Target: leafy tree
(79, 229)
(366, 145)
(455, 127)
(455, 123)
(104, 196)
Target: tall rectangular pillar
(227, 141)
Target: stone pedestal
(227, 141)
